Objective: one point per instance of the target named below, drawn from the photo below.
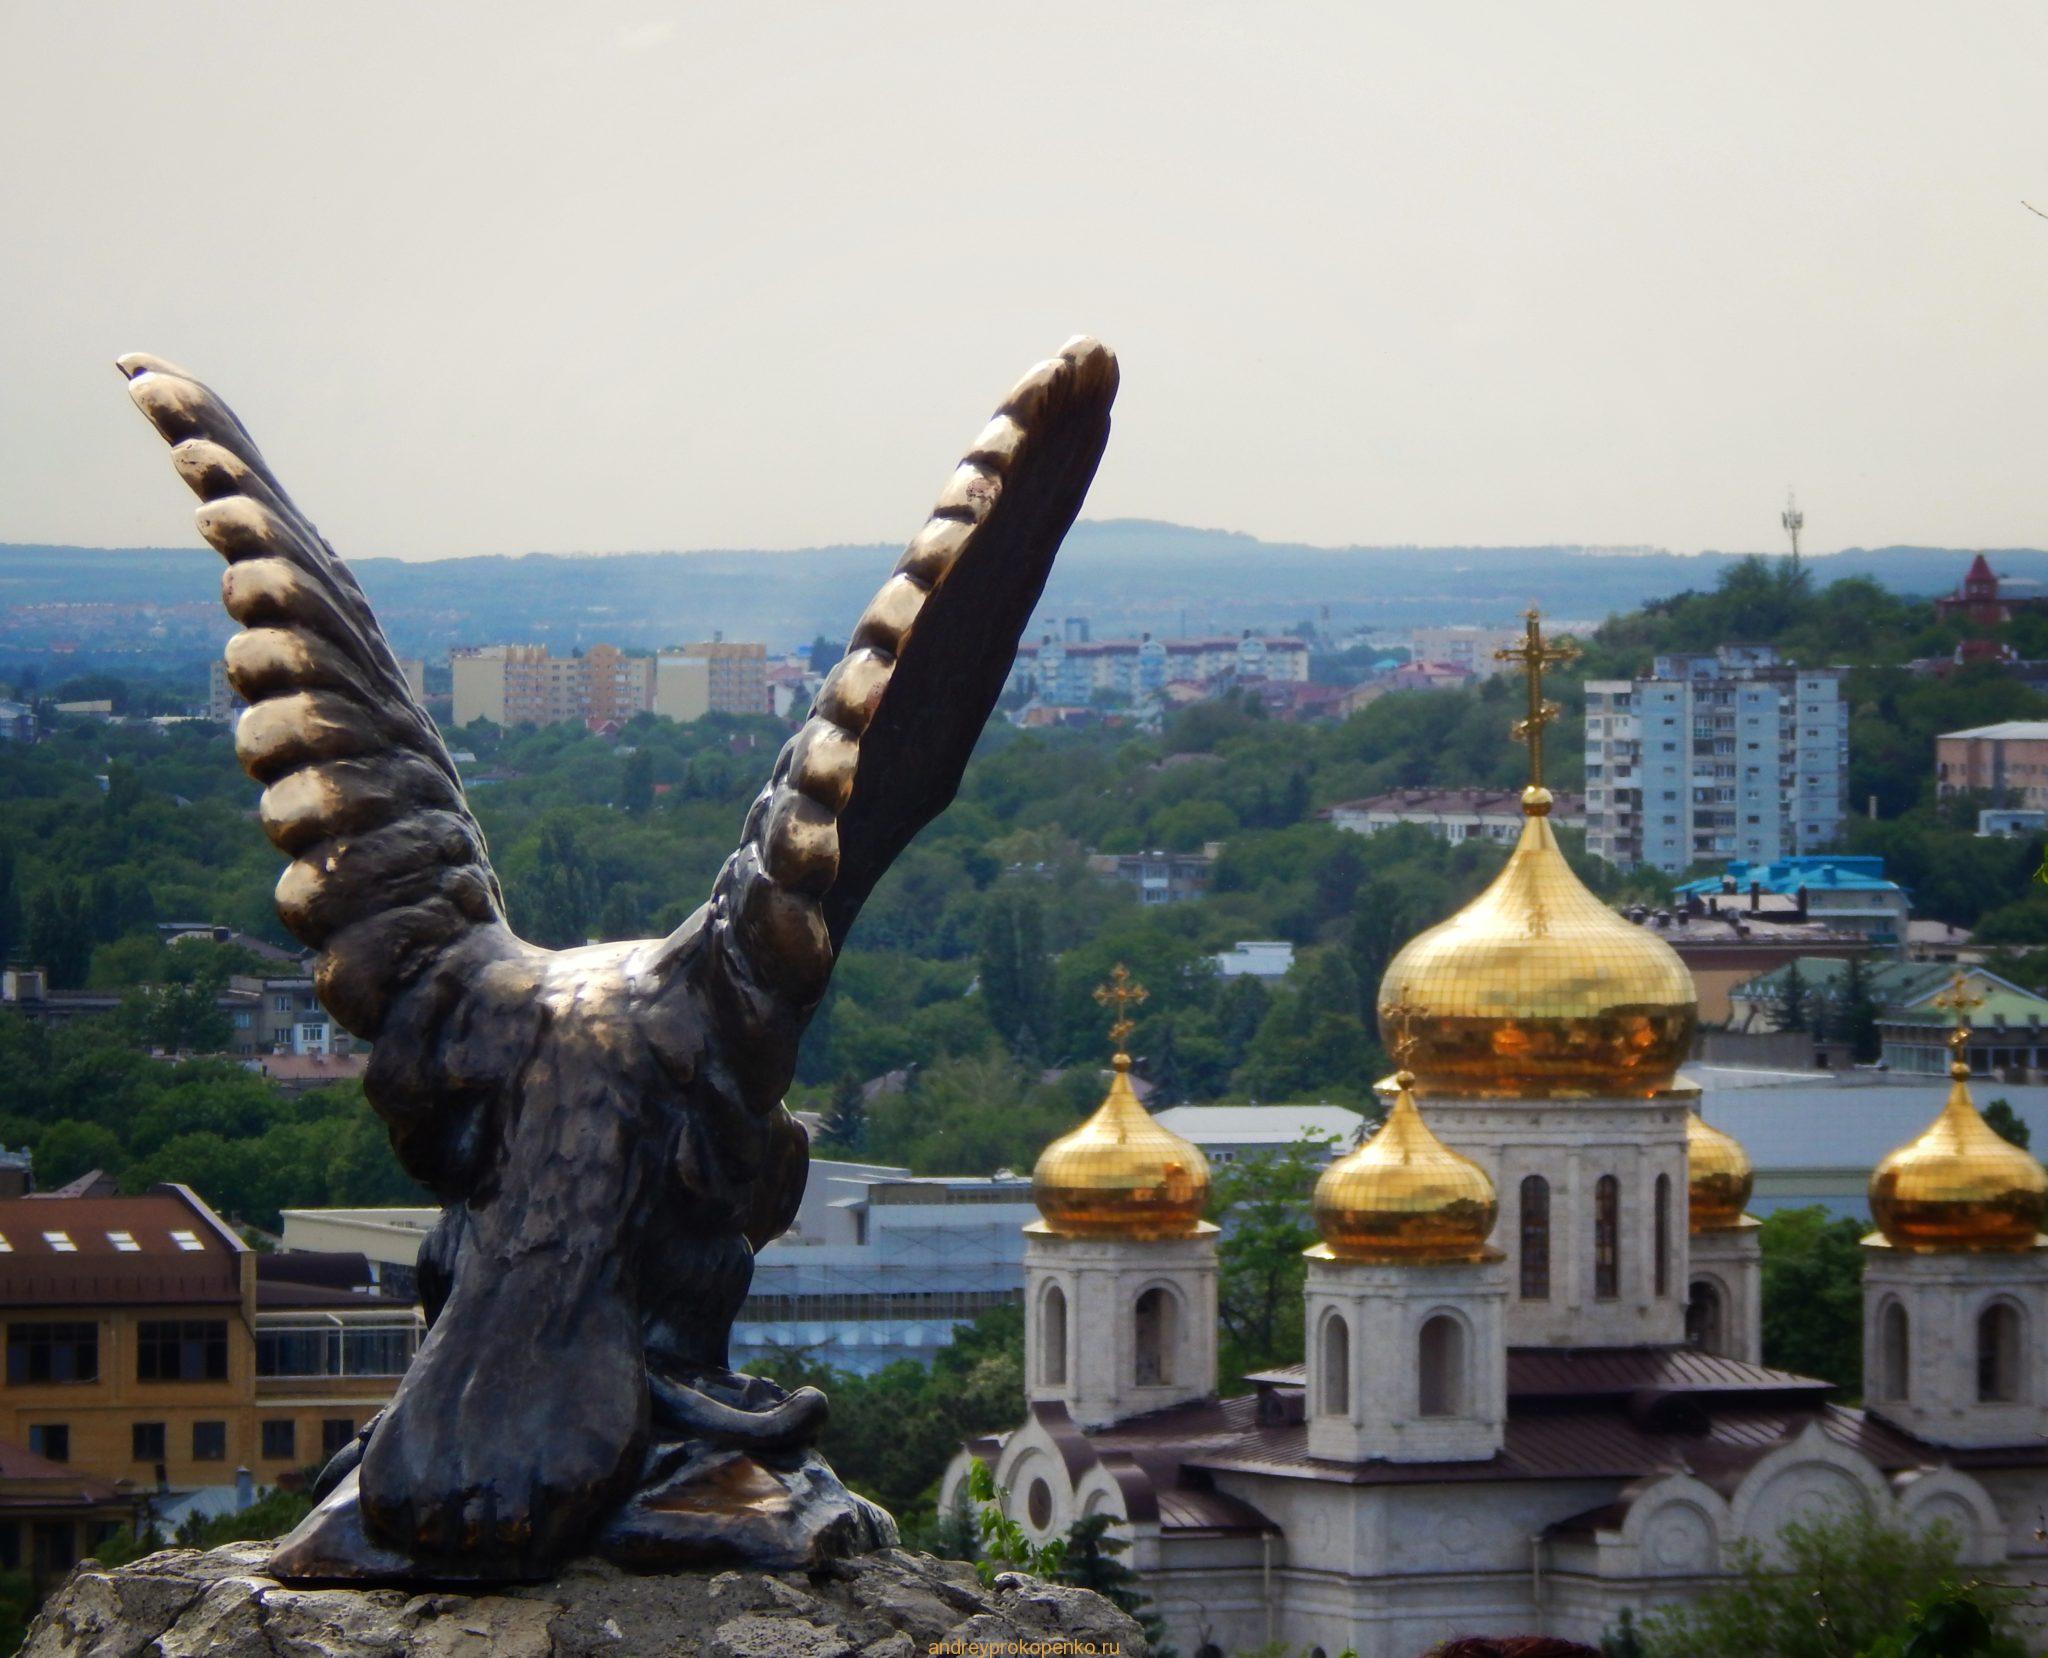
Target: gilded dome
(1120, 1174)
(1536, 989)
(1960, 1185)
(1719, 1175)
(1404, 1195)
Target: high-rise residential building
(736, 674)
(1733, 755)
(525, 685)
(2006, 763)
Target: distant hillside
(1125, 575)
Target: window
(1440, 1363)
(335, 1433)
(1336, 1399)
(1998, 1353)
(60, 1242)
(209, 1442)
(50, 1439)
(1703, 1319)
(187, 1240)
(1038, 1505)
(147, 1442)
(124, 1243)
(1535, 1238)
(1894, 1355)
(280, 1441)
(1606, 1238)
(52, 1353)
(1052, 1337)
(1152, 1321)
(382, 1349)
(1662, 1242)
(181, 1350)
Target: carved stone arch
(1677, 1527)
(1332, 1361)
(1811, 1479)
(1159, 1315)
(1054, 1319)
(1999, 1345)
(1444, 1356)
(1041, 1497)
(1943, 1496)
(1709, 1311)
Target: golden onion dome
(1719, 1176)
(1960, 1185)
(1536, 989)
(1121, 1174)
(1404, 1195)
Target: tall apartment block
(1715, 757)
(524, 685)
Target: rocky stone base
(894, 1604)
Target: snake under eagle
(603, 1126)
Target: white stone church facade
(1533, 1393)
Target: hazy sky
(491, 277)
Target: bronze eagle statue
(603, 1126)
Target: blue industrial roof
(1785, 876)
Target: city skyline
(648, 277)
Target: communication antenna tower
(1794, 521)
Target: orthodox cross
(1534, 654)
(1959, 998)
(1122, 993)
(1396, 1030)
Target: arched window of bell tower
(1336, 1400)
(1606, 1238)
(1440, 1365)
(1894, 1379)
(1154, 1323)
(1052, 1337)
(1535, 1193)
(1999, 1345)
(1661, 1243)
(1705, 1317)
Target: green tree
(1857, 1023)
(1813, 1295)
(561, 904)
(11, 931)
(58, 938)
(1793, 1001)
(636, 783)
(1846, 1587)
(1262, 1205)
(1092, 1559)
(845, 1126)
(1016, 973)
(2007, 1123)
(70, 1149)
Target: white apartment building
(1715, 758)
(1065, 670)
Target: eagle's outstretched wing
(895, 722)
(388, 866)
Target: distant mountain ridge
(1125, 575)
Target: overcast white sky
(493, 277)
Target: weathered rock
(893, 1604)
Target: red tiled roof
(99, 1267)
(18, 1463)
